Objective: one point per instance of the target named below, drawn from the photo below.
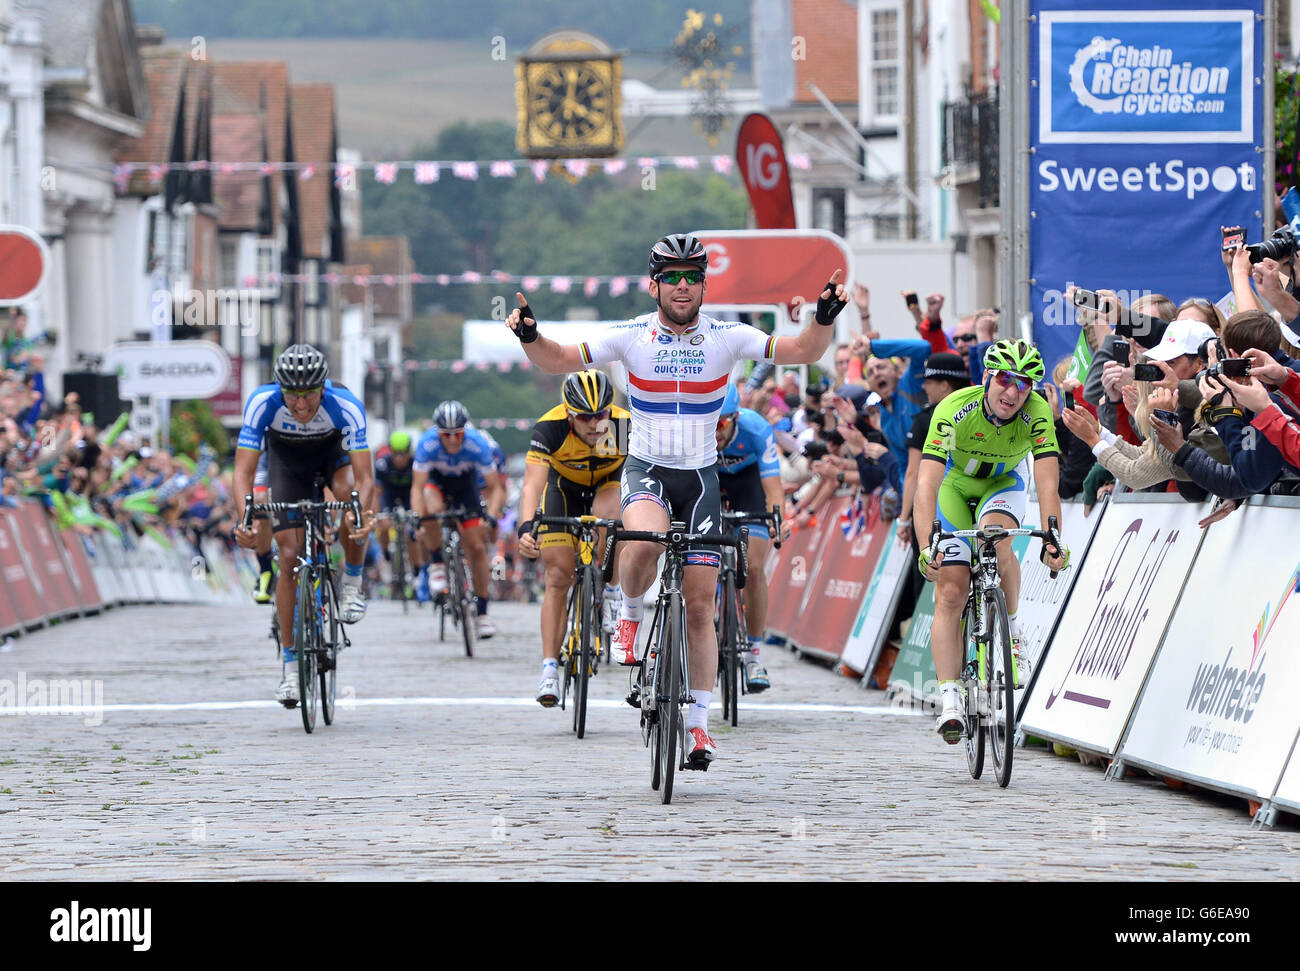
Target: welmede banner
(1218, 706)
(1146, 126)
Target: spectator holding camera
(1255, 463)
(1253, 393)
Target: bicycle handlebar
(677, 539)
(305, 506)
(1051, 537)
(773, 516)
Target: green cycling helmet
(400, 441)
(1016, 356)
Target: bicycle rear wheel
(399, 566)
(669, 697)
(329, 655)
(975, 734)
(306, 639)
(727, 648)
(462, 600)
(999, 680)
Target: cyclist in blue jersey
(749, 478)
(309, 427)
(449, 460)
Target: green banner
(914, 669)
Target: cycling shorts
(459, 490)
(689, 496)
(564, 497)
(292, 471)
(743, 491)
(964, 499)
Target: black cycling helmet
(450, 416)
(301, 367)
(677, 249)
(587, 392)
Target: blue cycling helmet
(731, 403)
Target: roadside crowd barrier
(1164, 647)
(52, 574)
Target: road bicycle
(580, 651)
(733, 632)
(988, 675)
(457, 601)
(318, 633)
(397, 537)
(663, 676)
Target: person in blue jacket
(901, 395)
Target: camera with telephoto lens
(1281, 246)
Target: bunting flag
(307, 171)
(426, 172)
(386, 172)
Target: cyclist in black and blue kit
(309, 426)
(749, 478)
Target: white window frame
(268, 261)
(868, 116)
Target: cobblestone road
(417, 779)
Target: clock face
(570, 102)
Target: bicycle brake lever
(742, 557)
(248, 513)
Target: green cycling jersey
(964, 436)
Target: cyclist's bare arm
(245, 469)
(929, 478)
(363, 477)
(494, 494)
(545, 353)
(1047, 479)
(530, 497)
(418, 481)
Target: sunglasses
(307, 393)
(674, 277)
(593, 416)
(458, 434)
(1006, 379)
(966, 338)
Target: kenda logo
(1174, 175)
(1168, 76)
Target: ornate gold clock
(567, 93)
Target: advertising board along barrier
(106, 576)
(77, 562)
(790, 586)
(871, 627)
(1107, 636)
(38, 540)
(1287, 795)
(836, 592)
(9, 620)
(913, 675)
(1217, 708)
(1042, 599)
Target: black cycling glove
(828, 308)
(527, 333)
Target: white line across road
(350, 703)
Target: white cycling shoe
(951, 723)
(1023, 668)
(352, 603)
(485, 627)
(287, 693)
(548, 692)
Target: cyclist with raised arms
(973, 470)
(394, 473)
(449, 461)
(678, 362)
(572, 469)
(749, 477)
(309, 427)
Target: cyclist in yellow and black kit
(572, 469)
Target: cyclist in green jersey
(974, 469)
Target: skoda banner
(1146, 127)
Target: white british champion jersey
(677, 382)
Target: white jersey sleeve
(611, 345)
(746, 343)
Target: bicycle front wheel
(727, 651)
(306, 639)
(973, 686)
(999, 679)
(588, 615)
(329, 655)
(669, 696)
(399, 566)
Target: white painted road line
(349, 703)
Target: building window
(828, 210)
(882, 41)
(887, 227)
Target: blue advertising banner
(1146, 132)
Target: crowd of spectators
(95, 478)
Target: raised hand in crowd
(860, 346)
(1082, 425)
(934, 306)
(844, 408)
(1267, 277)
(862, 297)
(1251, 395)
(1265, 368)
(1223, 510)
(1114, 376)
(986, 327)
(1162, 398)
(1170, 437)
(913, 303)
(1131, 397)
(1053, 399)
